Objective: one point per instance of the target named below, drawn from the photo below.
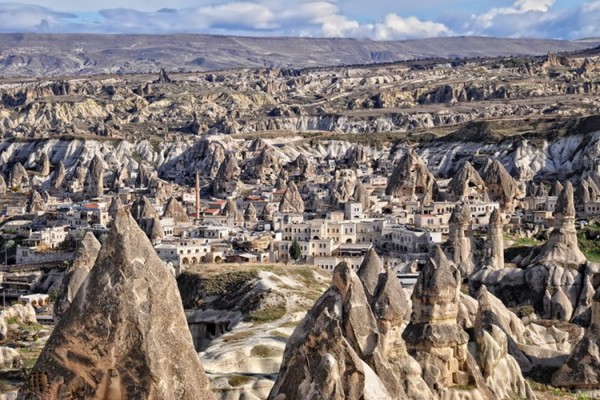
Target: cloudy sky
(374, 19)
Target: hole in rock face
(203, 333)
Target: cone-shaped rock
(494, 246)
(411, 179)
(557, 187)
(467, 184)
(582, 368)
(361, 195)
(2, 185)
(59, 180)
(232, 211)
(44, 165)
(501, 371)
(250, 213)
(125, 336)
(147, 217)
(36, 203)
(115, 205)
(562, 247)
(369, 271)
(501, 187)
(460, 240)
(94, 180)
(18, 176)
(85, 257)
(228, 172)
(433, 336)
(292, 201)
(175, 210)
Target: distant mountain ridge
(37, 55)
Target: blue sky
(374, 19)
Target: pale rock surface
(125, 335)
(460, 243)
(466, 184)
(411, 179)
(582, 368)
(292, 200)
(76, 273)
(175, 210)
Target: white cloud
(524, 18)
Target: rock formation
(582, 368)
(342, 186)
(44, 165)
(460, 244)
(228, 173)
(501, 187)
(163, 77)
(232, 211)
(501, 371)
(147, 218)
(587, 191)
(292, 201)
(562, 248)
(348, 348)
(125, 336)
(18, 176)
(266, 166)
(411, 179)
(2, 185)
(76, 273)
(557, 187)
(369, 272)
(115, 205)
(250, 213)
(494, 246)
(433, 336)
(175, 210)
(119, 178)
(94, 180)
(36, 203)
(361, 195)
(59, 180)
(466, 184)
(302, 167)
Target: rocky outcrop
(411, 179)
(460, 243)
(232, 211)
(556, 188)
(433, 336)
(494, 245)
(147, 218)
(18, 176)
(582, 368)
(59, 178)
(466, 184)
(361, 195)
(369, 272)
(175, 210)
(501, 371)
(36, 203)
(115, 205)
(227, 176)
(94, 179)
(587, 191)
(163, 77)
(250, 214)
(122, 332)
(562, 247)
(302, 167)
(76, 273)
(501, 187)
(292, 200)
(266, 166)
(44, 165)
(343, 349)
(3, 186)
(342, 186)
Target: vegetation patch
(267, 314)
(264, 351)
(238, 380)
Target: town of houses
(334, 213)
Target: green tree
(295, 250)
